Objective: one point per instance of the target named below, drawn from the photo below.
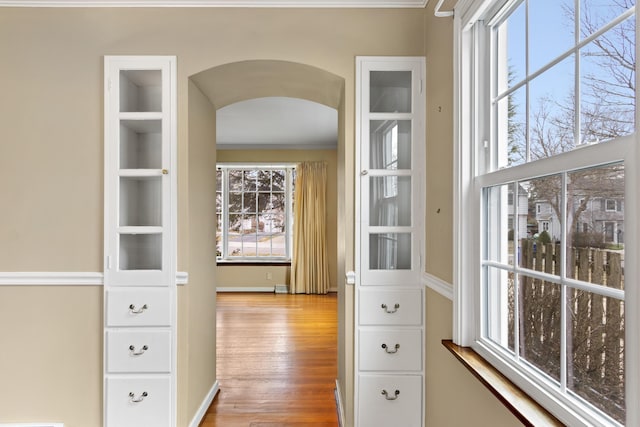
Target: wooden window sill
(527, 410)
(253, 263)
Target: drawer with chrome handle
(390, 400)
(138, 307)
(390, 307)
(390, 350)
(137, 351)
(138, 401)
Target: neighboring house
(523, 206)
(599, 215)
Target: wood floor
(276, 361)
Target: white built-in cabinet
(140, 241)
(390, 330)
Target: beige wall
(256, 276)
(453, 396)
(51, 168)
(51, 157)
(199, 347)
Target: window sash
(289, 169)
(472, 155)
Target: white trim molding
(63, 278)
(245, 289)
(202, 410)
(182, 278)
(339, 405)
(376, 4)
(437, 284)
(32, 425)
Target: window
(254, 212)
(547, 113)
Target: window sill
(527, 410)
(253, 263)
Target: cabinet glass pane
(140, 201)
(390, 91)
(140, 144)
(390, 144)
(390, 251)
(140, 252)
(390, 201)
(140, 91)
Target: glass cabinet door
(139, 159)
(389, 174)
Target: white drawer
(391, 307)
(152, 410)
(138, 307)
(376, 409)
(129, 351)
(390, 350)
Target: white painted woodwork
(139, 351)
(391, 307)
(138, 307)
(152, 411)
(404, 411)
(390, 332)
(403, 350)
(140, 241)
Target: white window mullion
(225, 213)
(563, 287)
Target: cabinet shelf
(139, 230)
(140, 90)
(140, 141)
(140, 173)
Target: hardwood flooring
(276, 361)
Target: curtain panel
(309, 267)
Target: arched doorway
(226, 84)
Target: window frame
(472, 118)
(289, 185)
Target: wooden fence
(595, 324)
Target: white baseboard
(339, 407)
(202, 410)
(245, 289)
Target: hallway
(276, 361)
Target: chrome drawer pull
(391, 351)
(133, 399)
(386, 309)
(133, 352)
(133, 310)
(394, 397)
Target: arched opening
(221, 86)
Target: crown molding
(220, 3)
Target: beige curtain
(309, 268)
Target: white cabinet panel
(138, 307)
(391, 307)
(138, 402)
(391, 350)
(144, 351)
(390, 400)
(390, 303)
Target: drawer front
(138, 307)
(376, 409)
(391, 307)
(129, 351)
(390, 350)
(127, 406)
